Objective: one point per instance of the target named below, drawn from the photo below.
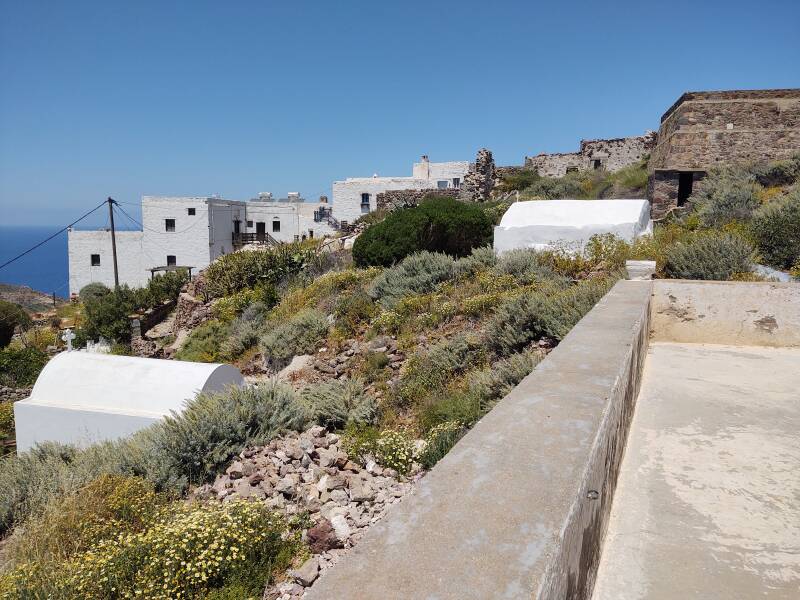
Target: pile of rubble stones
(310, 472)
(339, 364)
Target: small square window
(249, 223)
(169, 224)
(276, 226)
(171, 260)
(190, 211)
(442, 184)
(95, 260)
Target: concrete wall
(268, 212)
(444, 171)
(82, 244)
(518, 509)
(726, 312)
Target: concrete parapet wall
(727, 312)
(519, 508)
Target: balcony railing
(240, 239)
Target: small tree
(11, 316)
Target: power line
(60, 231)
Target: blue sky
(193, 98)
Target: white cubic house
(190, 232)
(356, 196)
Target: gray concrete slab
(708, 497)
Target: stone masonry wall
(707, 128)
(613, 154)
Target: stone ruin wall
(614, 155)
(707, 128)
(393, 199)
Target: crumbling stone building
(610, 154)
(703, 129)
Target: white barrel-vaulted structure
(81, 397)
(541, 223)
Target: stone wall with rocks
(481, 178)
(707, 128)
(9, 394)
(393, 199)
(613, 154)
(312, 473)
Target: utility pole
(113, 241)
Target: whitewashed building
(356, 196)
(190, 232)
(82, 398)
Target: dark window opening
(95, 260)
(442, 184)
(456, 182)
(572, 169)
(249, 223)
(685, 181)
(171, 260)
(261, 227)
(190, 211)
(276, 226)
(311, 233)
(237, 226)
(169, 224)
(597, 164)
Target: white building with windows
(356, 196)
(190, 232)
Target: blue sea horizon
(45, 269)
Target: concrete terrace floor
(708, 498)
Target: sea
(44, 269)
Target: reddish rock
(322, 537)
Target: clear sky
(124, 99)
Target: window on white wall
(169, 224)
(190, 211)
(456, 182)
(364, 203)
(171, 260)
(276, 226)
(442, 184)
(95, 260)
(249, 223)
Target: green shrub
(353, 310)
(439, 441)
(93, 291)
(709, 255)
(518, 179)
(249, 268)
(778, 172)
(480, 259)
(776, 229)
(390, 448)
(530, 317)
(374, 365)
(552, 188)
(727, 194)
(161, 288)
(197, 444)
(204, 343)
(298, 335)
(186, 551)
(336, 404)
(244, 331)
(6, 424)
(438, 224)
(11, 316)
(418, 273)
(108, 316)
(480, 390)
(19, 367)
(428, 372)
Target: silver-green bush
(709, 255)
(480, 259)
(337, 404)
(298, 335)
(776, 229)
(726, 195)
(527, 265)
(529, 317)
(418, 273)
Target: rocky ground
(310, 474)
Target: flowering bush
(439, 441)
(390, 448)
(185, 551)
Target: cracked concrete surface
(708, 499)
